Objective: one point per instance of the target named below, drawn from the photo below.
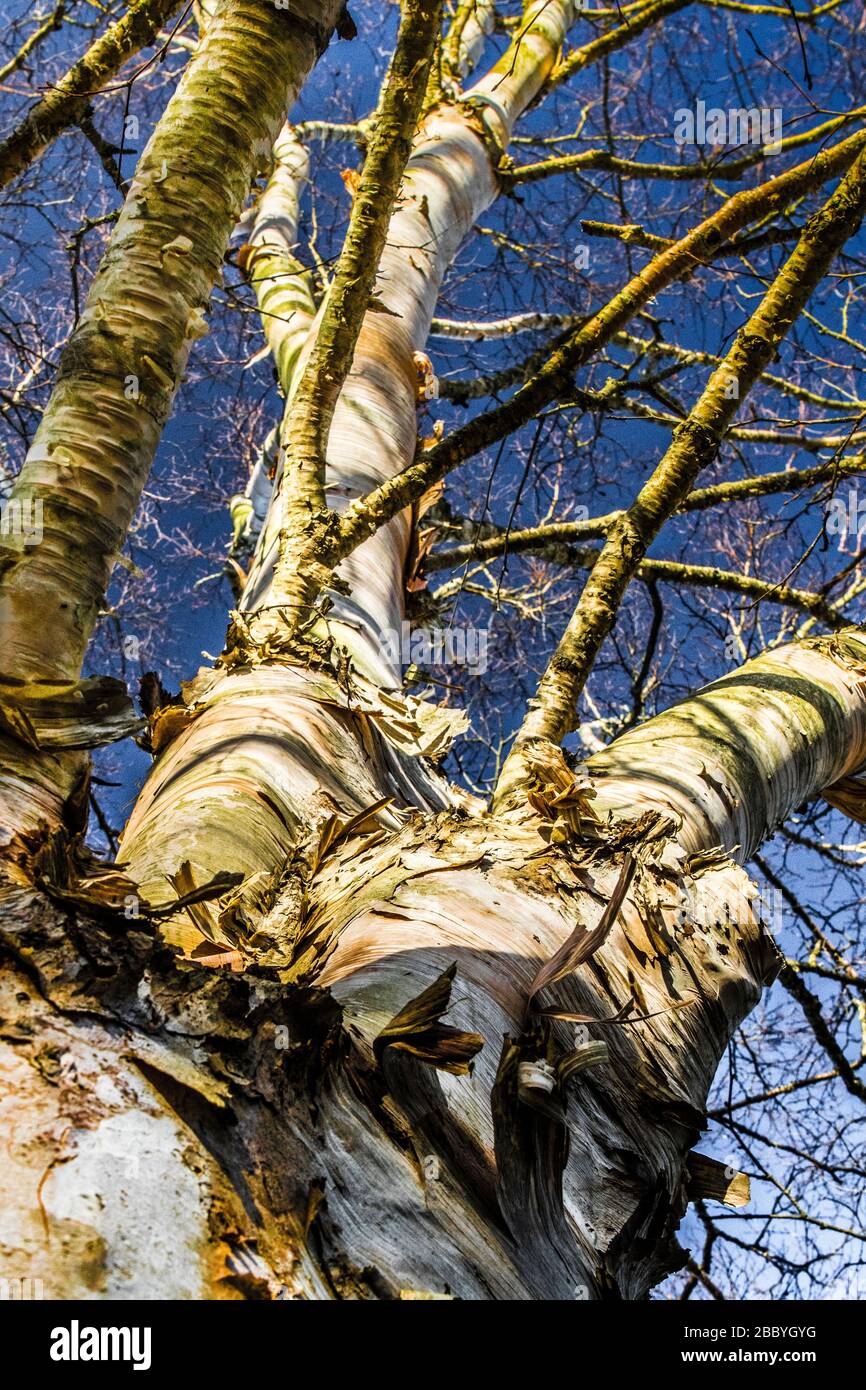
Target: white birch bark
(125, 360)
(298, 1134)
(450, 179)
(184, 1102)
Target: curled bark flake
(588, 1055)
(707, 1178)
(417, 1029)
(192, 898)
(67, 714)
(531, 1144)
(166, 724)
(581, 944)
(849, 796)
(64, 868)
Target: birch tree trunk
(123, 364)
(451, 1052)
(312, 1127)
(252, 725)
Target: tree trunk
(239, 786)
(331, 1028)
(310, 1127)
(125, 360)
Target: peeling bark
(341, 1030)
(449, 179)
(319, 1129)
(124, 362)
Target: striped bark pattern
(125, 360)
(331, 1028)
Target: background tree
(478, 260)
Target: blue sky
(177, 612)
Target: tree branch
(552, 539)
(48, 26)
(364, 517)
(617, 38)
(721, 171)
(695, 444)
(68, 100)
(309, 420)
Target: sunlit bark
(416, 1179)
(229, 1068)
(125, 360)
(449, 180)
